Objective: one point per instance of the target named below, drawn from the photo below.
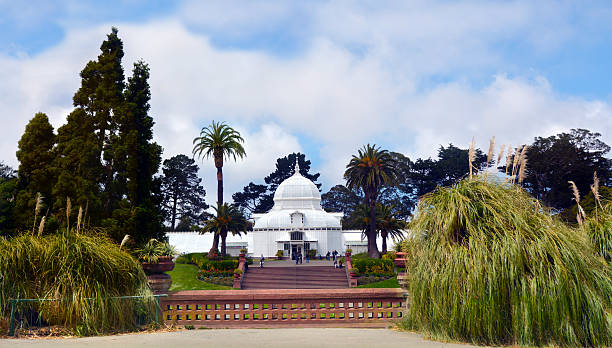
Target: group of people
(299, 257)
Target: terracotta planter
(164, 264)
(347, 254)
(159, 283)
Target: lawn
(184, 277)
(389, 283)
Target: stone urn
(400, 260)
(158, 280)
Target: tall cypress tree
(137, 160)
(36, 172)
(101, 96)
(78, 164)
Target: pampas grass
(522, 172)
(581, 214)
(494, 267)
(472, 156)
(508, 158)
(82, 273)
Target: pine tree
(183, 194)
(36, 173)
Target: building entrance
(295, 250)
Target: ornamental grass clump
(82, 274)
(495, 268)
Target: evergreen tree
(249, 201)
(183, 194)
(101, 96)
(36, 173)
(136, 160)
(553, 161)
(78, 165)
(8, 191)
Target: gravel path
(240, 338)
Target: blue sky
(324, 77)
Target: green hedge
(217, 265)
(375, 267)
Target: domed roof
(297, 205)
(297, 192)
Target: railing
(269, 308)
(26, 314)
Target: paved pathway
(241, 338)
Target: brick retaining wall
(286, 307)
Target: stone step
(300, 277)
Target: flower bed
(374, 267)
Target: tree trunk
(215, 247)
(223, 245)
(372, 247)
(219, 165)
(384, 242)
(174, 210)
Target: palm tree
(388, 225)
(369, 171)
(221, 142)
(228, 219)
(386, 222)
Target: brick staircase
(302, 277)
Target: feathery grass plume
(472, 156)
(581, 214)
(494, 267)
(84, 273)
(124, 241)
(515, 162)
(491, 151)
(68, 211)
(41, 227)
(79, 217)
(37, 208)
(522, 173)
(595, 190)
(490, 155)
(500, 154)
(508, 158)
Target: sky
(322, 77)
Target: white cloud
(338, 96)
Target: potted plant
(243, 252)
(156, 259)
(237, 273)
(279, 254)
(348, 252)
(353, 272)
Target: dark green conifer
(36, 173)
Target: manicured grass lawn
(389, 283)
(184, 277)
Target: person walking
(261, 261)
(307, 257)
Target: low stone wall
(287, 307)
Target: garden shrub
(374, 267)
(494, 267)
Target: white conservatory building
(297, 223)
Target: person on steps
(261, 261)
